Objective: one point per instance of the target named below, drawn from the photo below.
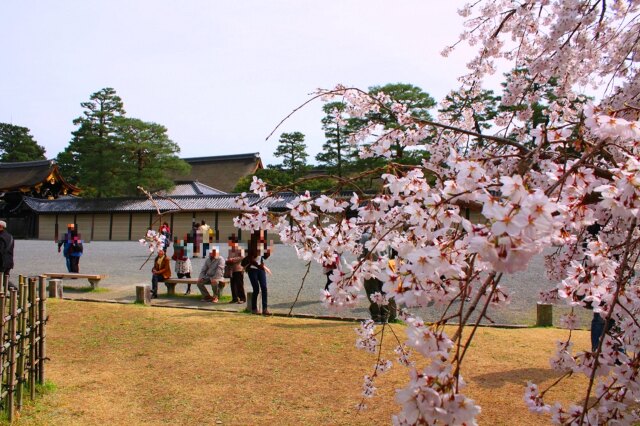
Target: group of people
(216, 267)
(201, 233)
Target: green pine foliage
(111, 155)
(17, 144)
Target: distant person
(64, 245)
(197, 239)
(257, 271)
(6, 252)
(204, 230)
(379, 313)
(165, 230)
(161, 271)
(234, 257)
(211, 273)
(329, 267)
(183, 265)
(75, 251)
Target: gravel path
(122, 261)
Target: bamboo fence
(23, 317)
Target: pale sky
(219, 75)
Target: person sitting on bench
(161, 271)
(212, 272)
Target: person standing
(75, 251)
(6, 251)
(182, 266)
(329, 267)
(379, 313)
(197, 238)
(257, 271)
(212, 272)
(165, 230)
(203, 230)
(161, 271)
(65, 243)
(234, 257)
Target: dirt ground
(129, 364)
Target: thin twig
(300, 289)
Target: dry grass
(124, 364)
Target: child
(183, 266)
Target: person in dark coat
(6, 250)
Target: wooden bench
(171, 283)
(94, 279)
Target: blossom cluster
(153, 240)
(484, 204)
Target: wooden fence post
(32, 337)
(143, 294)
(42, 343)
(544, 315)
(11, 377)
(3, 352)
(22, 326)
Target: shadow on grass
(193, 297)
(287, 305)
(328, 324)
(84, 289)
(518, 376)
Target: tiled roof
(222, 202)
(16, 175)
(29, 174)
(224, 171)
(215, 158)
(191, 188)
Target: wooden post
(3, 354)
(42, 332)
(11, 377)
(22, 326)
(544, 315)
(143, 294)
(56, 289)
(32, 337)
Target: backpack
(76, 247)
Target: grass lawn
(130, 364)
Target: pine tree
(17, 144)
(293, 151)
(337, 154)
(92, 160)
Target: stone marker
(544, 315)
(56, 289)
(249, 300)
(143, 294)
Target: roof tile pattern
(223, 172)
(224, 202)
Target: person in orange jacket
(161, 271)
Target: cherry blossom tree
(533, 188)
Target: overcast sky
(219, 75)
